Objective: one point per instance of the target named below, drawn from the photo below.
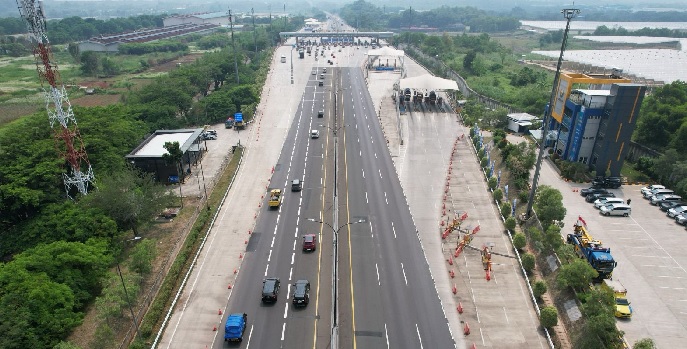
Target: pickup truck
(235, 327)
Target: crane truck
(275, 198)
(235, 327)
(591, 250)
(622, 305)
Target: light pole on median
(335, 269)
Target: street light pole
(569, 14)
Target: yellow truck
(275, 198)
(622, 305)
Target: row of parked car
(604, 200)
(669, 202)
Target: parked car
(667, 205)
(208, 136)
(592, 190)
(681, 218)
(605, 201)
(593, 197)
(314, 134)
(676, 211)
(655, 192)
(301, 293)
(646, 190)
(656, 200)
(607, 182)
(616, 210)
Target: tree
(528, 262)
(644, 343)
(578, 274)
(109, 66)
(549, 205)
(506, 209)
(130, 197)
(539, 288)
(548, 317)
(66, 345)
(90, 63)
(173, 156)
(519, 241)
(142, 256)
(552, 237)
(74, 51)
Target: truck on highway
(229, 123)
(591, 250)
(235, 327)
(238, 121)
(301, 53)
(622, 305)
(275, 198)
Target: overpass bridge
(337, 36)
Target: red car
(309, 242)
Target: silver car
(605, 201)
(676, 211)
(616, 210)
(681, 218)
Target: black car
(667, 205)
(607, 182)
(270, 290)
(593, 197)
(592, 190)
(301, 293)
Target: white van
(314, 134)
(599, 203)
(616, 210)
(283, 59)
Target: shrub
(523, 196)
(484, 162)
(519, 241)
(528, 262)
(539, 288)
(510, 223)
(491, 183)
(481, 153)
(506, 209)
(548, 317)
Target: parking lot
(650, 250)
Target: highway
(388, 295)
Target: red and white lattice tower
(67, 138)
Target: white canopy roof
(428, 82)
(386, 51)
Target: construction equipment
(622, 305)
(275, 198)
(597, 256)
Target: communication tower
(68, 142)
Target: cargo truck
(238, 121)
(235, 327)
(592, 251)
(622, 305)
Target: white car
(681, 218)
(675, 211)
(648, 189)
(616, 210)
(655, 200)
(314, 134)
(605, 201)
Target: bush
(506, 209)
(510, 223)
(519, 241)
(548, 317)
(481, 153)
(498, 194)
(484, 162)
(523, 196)
(528, 262)
(539, 288)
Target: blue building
(594, 119)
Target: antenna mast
(62, 121)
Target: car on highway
(648, 189)
(301, 293)
(296, 185)
(592, 190)
(314, 134)
(667, 205)
(681, 218)
(320, 114)
(676, 211)
(656, 200)
(309, 242)
(618, 209)
(605, 201)
(593, 197)
(270, 290)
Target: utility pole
(233, 47)
(255, 37)
(569, 14)
(410, 23)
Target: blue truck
(238, 121)
(235, 327)
(592, 251)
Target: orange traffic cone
(214, 328)
(219, 312)
(466, 329)
(460, 308)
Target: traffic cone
(229, 287)
(460, 308)
(219, 312)
(488, 275)
(452, 274)
(240, 255)
(466, 329)
(473, 346)
(214, 328)
(450, 260)
(234, 271)
(454, 289)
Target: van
(651, 194)
(314, 134)
(296, 185)
(283, 59)
(616, 210)
(663, 198)
(606, 201)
